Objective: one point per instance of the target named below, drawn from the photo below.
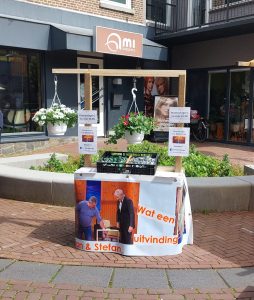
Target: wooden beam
(245, 63)
(88, 106)
(122, 72)
(88, 91)
(181, 103)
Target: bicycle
(198, 126)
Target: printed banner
(130, 216)
(87, 137)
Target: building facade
(208, 38)
(39, 35)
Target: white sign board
(178, 141)
(87, 137)
(87, 117)
(179, 115)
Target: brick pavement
(43, 233)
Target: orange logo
(118, 42)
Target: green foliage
(195, 165)
(133, 122)
(56, 165)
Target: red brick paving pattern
(48, 291)
(43, 233)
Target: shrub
(195, 165)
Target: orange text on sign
(152, 213)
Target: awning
(75, 38)
(24, 33)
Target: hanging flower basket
(134, 138)
(57, 129)
(57, 117)
(133, 126)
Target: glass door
(239, 105)
(217, 104)
(97, 90)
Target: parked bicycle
(198, 126)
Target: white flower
(41, 123)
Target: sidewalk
(220, 264)
(38, 260)
(25, 280)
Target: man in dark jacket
(125, 217)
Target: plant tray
(128, 163)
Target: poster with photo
(87, 137)
(128, 216)
(154, 86)
(161, 112)
(178, 141)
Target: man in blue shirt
(86, 211)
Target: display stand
(161, 205)
(88, 73)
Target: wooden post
(181, 103)
(88, 106)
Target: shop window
(217, 107)
(20, 90)
(239, 105)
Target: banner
(132, 216)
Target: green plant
(132, 122)
(56, 114)
(195, 165)
(56, 165)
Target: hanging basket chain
(134, 89)
(56, 98)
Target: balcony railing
(172, 16)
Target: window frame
(111, 4)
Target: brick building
(38, 35)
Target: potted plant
(57, 118)
(133, 127)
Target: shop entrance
(229, 105)
(97, 90)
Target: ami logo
(115, 43)
(119, 42)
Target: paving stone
(29, 271)
(4, 263)
(184, 279)
(89, 276)
(140, 278)
(238, 277)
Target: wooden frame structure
(245, 63)
(88, 73)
